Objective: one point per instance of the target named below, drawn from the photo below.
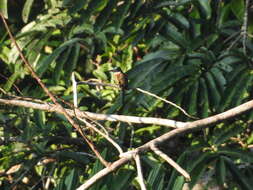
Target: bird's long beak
(113, 70)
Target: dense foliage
(195, 53)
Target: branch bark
(95, 116)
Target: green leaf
(237, 175)
(71, 180)
(172, 76)
(26, 10)
(40, 118)
(238, 70)
(193, 95)
(234, 153)
(172, 3)
(212, 90)
(235, 89)
(3, 8)
(176, 36)
(60, 63)
(227, 133)
(224, 15)
(205, 8)
(11, 80)
(220, 170)
(135, 7)
(238, 8)
(202, 158)
(177, 19)
(120, 14)
(96, 168)
(179, 183)
(177, 98)
(94, 7)
(244, 90)
(121, 180)
(173, 180)
(199, 165)
(105, 14)
(74, 6)
(44, 64)
(203, 99)
(141, 71)
(156, 177)
(226, 62)
(219, 78)
(150, 129)
(70, 66)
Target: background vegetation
(195, 53)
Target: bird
(120, 77)
(121, 80)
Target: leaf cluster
(195, 53)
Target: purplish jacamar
(121, 80)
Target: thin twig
(15, 86)
(169, 102)
(107, 137)
(20, 97)
(139, 172)
(98, 84)
(170, 161)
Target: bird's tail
(123, 97)
(122, 93)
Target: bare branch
(201, 124)
(95, 116)
(139, 172)
(170, 161)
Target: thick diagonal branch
(189, 127)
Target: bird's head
(116, 70)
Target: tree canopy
(189, 68)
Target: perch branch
(98, 84)
(17, 101)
